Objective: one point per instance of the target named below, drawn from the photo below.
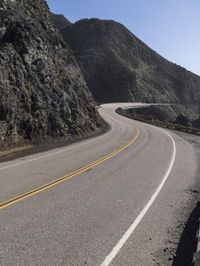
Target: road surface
(109, 200)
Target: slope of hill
(60, 21)
(42, 92)
(119, 67)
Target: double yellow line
(68, 176)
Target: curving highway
(108, 200)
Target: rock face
(42, 92)
(119, 67)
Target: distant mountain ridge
(60, 21)
(118, 66)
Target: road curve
(116, 199)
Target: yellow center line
(68, 176)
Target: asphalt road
(115, 210)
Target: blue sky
(170, 27)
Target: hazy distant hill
(119, 67)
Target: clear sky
(170, 27)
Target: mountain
(118, 66)
(60, 21)
(42, 91)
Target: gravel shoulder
(180, 247)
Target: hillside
(42, 92)
(60, 21)
(119, 67)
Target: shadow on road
(188, 242)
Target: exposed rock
(196, 123)
(42, 92)
(182, 120)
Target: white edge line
(133, 226)
(63, 150)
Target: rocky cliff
(42, 91)
(119, 67)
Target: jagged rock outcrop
(119, 67)
(42, 92)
